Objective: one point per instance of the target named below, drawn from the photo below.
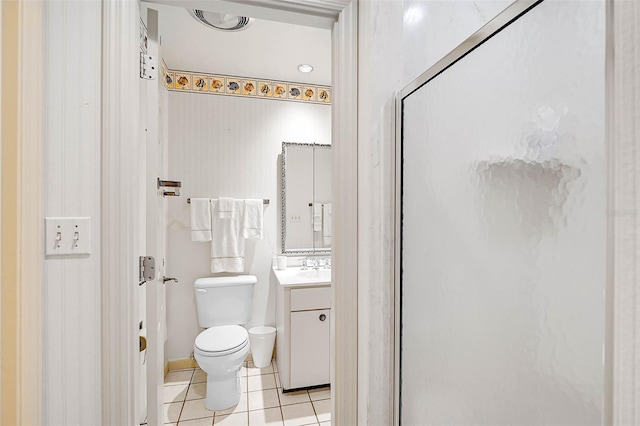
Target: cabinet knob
(323, 317)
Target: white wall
(431, 29)
(71, 288)
(227, 146)
(394, 48)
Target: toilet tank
(224, 300)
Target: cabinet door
(310, 352)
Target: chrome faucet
(165, 279)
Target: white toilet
(223, 303)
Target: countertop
(296, 276)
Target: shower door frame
(500, 22)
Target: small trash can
(262, 339)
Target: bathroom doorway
(184, 286)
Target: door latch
(147, 269)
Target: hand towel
(225, 208)
(200, 219)
(252, 220)
(317, 217)
(227, 244)
(326, 224)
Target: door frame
(344, 251)
(119, 257)
(120, 187)
(622, 325)
(21, 212)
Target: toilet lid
(222, 338)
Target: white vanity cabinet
(303, 317)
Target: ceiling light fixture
(221, 21)
(305, 68)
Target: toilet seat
(222, 340)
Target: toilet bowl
(220, 352)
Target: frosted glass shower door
(503, 228)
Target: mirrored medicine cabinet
(306, 207)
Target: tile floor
(262, 401)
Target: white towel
(326, 224)
(227, 245)
(252, 220)
(317, 217)
(225, 208)
(200, 219)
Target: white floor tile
(197, 391)
(197, 422)
(174, 393)
(240, 408)
(270, 417)
(195, 409)
(238, 419)
(293, 397)
(252, 370)
(318, 394)
(259, 400)
(262, 401)
(172, 412)
(261, 382)
(199, 376)
(178, 377)
(298, 414)
(323, 410)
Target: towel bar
(265, 201)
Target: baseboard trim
(181, 364)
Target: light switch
(67, 235)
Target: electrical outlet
(67, 235)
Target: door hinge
(147, 269)
(148, 67)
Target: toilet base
(223, 392)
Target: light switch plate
(67, 236)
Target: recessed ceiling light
(305, 68)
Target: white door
(156, 167)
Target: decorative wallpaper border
(217, 84)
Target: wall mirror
(306, 198)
